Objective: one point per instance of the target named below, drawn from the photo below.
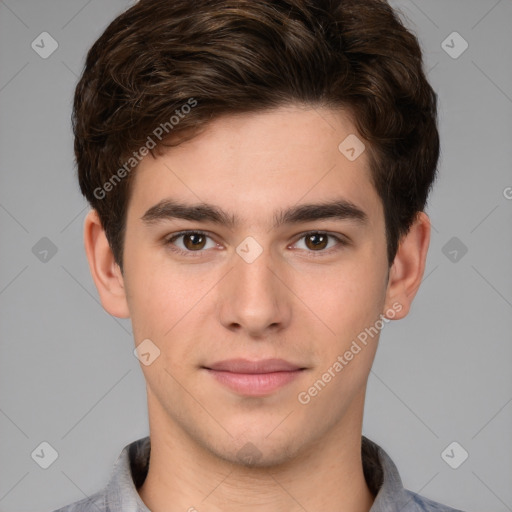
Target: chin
(258, 453)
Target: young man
(258, 173)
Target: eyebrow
(340, 209)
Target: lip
(247, 366)
(254, 378)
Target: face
(255, 277)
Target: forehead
(252, 163)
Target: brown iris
(316, 241)
(194, 241)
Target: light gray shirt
(131, 467)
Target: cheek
(347, 299)
(351, 308)
(163, 299)
(155, 298)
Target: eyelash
(169, 242)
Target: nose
(255, 296)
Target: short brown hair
(236, 56)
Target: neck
(184, 476)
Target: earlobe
(408, 267)
(104, 270)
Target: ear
(408, 267)
(105, 271)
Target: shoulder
(94, 503)
(419, 503)
(120, 493)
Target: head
(241, 109)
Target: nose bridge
(253, 270)
(255, 299)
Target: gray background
(67, 372)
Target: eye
(318, 241)
(192, 241)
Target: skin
(292, 302)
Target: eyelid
(342, 241)
(168, 241)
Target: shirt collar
(132, 465)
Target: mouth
(254, 378)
